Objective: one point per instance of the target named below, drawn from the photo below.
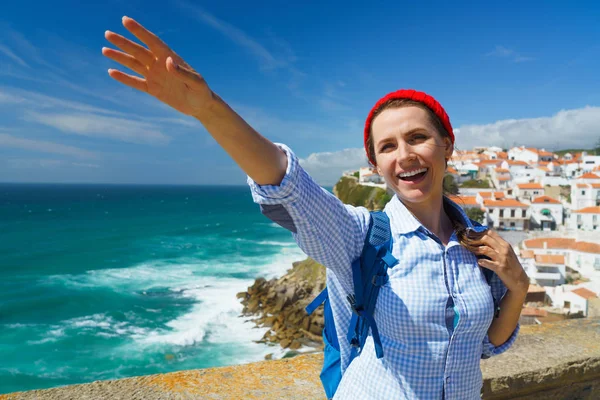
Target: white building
(508, 214)
(369, 175)
(586, 219)
(501, 178)
(529, 155)
(585, 195)
(588, 177)
(549, 270)
(589, 163)
(575, 301)
(585, 258)
(527, 191)
(546, 213)
(551, 245)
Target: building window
(512, 224)
(501, 213)
(578, 218)
(512, 213)
(583, 192)
(524, 213)
(595, 218)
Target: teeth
(412, 173)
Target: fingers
(488, 264)
(187, 75)
(129, 80)
(141, 53)
(126, 60)
(157, 46)
(486, 251)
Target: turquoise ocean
(110, 281)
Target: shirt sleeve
(489, 350)
(330, 232)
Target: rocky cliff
(349, 191)
(279, 304)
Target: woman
(435, 315)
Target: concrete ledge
(553, 361)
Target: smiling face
(411, 154)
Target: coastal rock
(279, 304)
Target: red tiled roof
(533, 312)
(585, 293)
(551, 243)
(527, 254)
(589, 175)
(587, 247)
(530, 186)
(549, 259)
(545, 199)
(464, 200)
(504, 203)
(588, 210)
(516, 162)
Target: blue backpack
(369, 273)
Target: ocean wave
(212, 319)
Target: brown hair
(466, 237)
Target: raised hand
(164, 74)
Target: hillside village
(553, 201)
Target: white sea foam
(213, 320)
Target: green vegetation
(356, 175)
(475, 214)
(476, 183)
(450, 186)
(592, 151)
(350, 192)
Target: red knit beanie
(413, 95)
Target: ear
(379, 171)
(449, 149)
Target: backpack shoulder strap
(489, 274)
(369, 273)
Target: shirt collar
(403, 221)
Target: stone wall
(553, 361)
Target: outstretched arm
(170, 79)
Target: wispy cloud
(9, 141)
(578, 128)
(266, 58)
(332, 100)
(93, 125)
(86, 120)
(327, 167)
(45, 163)
(504, 52)
(10, 54)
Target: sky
(302, 73)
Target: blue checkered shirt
(425, 355)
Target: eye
(385, 147)
(418, 137)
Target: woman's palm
(172, 81)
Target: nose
(404, 152)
